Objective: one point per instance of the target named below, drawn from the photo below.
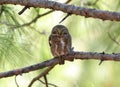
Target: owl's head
(60, 30)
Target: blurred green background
(23, 45)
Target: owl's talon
(61, 60)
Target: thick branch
(54, 61)
(87, 12)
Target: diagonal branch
(36, 18)
(113, 38)
(48, 83)
(72, 9)
(69, 57)
(42, 74)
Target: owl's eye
(54, 32)
(65, 33)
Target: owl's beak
(58, 32)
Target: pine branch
(28, 7)
(72, 9)
(75, 55)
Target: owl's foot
(61, 60)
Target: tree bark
(53, 61)
(72, 9)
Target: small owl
(60, 41)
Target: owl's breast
(62, 42)
(59, 46)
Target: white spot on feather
(63, 43)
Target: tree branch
(23, 10)
(113, 38)
(34, 20)
(41, 75)
(87, 12)
(48, 83)
(75, 55)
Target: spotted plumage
(60, 41)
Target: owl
(60, 42)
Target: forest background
(25, 45)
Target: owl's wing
(70, 44)
(50, 40)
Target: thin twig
(16, 81)
(65, 17)
(113, 39)
(42, 74)
(48, 83)
(23, 10)
(102, 58)
(68, 1)
(91, 4)
(95, 2)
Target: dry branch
(75, 55)
(41, 75)
(48, 83)
(72, 9)
(28, 7)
